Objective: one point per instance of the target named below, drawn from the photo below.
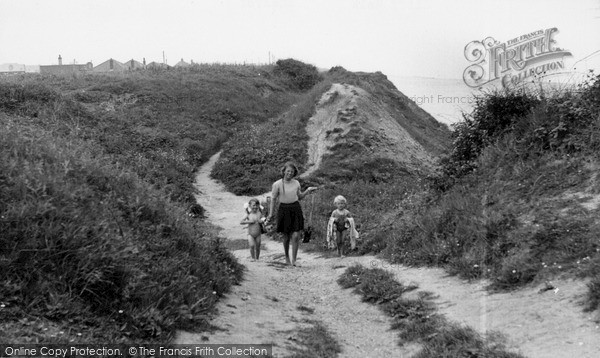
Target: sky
(397, 37)
(401, 38)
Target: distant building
(61, 69)
(155, 65)
(12, 68)
(111, 65)
(182, 64)
(132, 65)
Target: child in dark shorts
(341, 224)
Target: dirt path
(265, 307)
(548, 324)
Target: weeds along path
(274, 300)
(535, 321)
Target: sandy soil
(265, 307)
(344, 107)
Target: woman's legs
(290, 218)
(294, 238)
(286, 247)
(295, 244)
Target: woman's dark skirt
(290, 218)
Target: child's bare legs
(252, 243)
(257, 250)
(339, 241)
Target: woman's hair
(289, 165)
(339, 199)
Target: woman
(290, 221)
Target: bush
(301, 76)
(494, 115)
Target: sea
(445, 99)
(448, 99)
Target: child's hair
(339, 199)
(289, 165)
(253, 200)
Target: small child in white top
(341, 223)
(253, 219)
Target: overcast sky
(396, 37)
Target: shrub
(494, 115)
(300, 75)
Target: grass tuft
(417, 319)
(317, 341)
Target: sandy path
(264, 308)
(538, 325)
(548, 324)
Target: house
(111, 65)
(132, 65)
(61, 69)
(182, 64)
(155, 65)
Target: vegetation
(506, 204)
(251, 161)
(97, 171)
(417, 319)
(300, 76)
(513, 202)
(316, 341)
(96, 174)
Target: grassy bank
(252, 159)
(96, 176)
(516, 198)
(161, 124)
(89, 245)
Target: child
(253, 219)
(265, 206)
(341, 223)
